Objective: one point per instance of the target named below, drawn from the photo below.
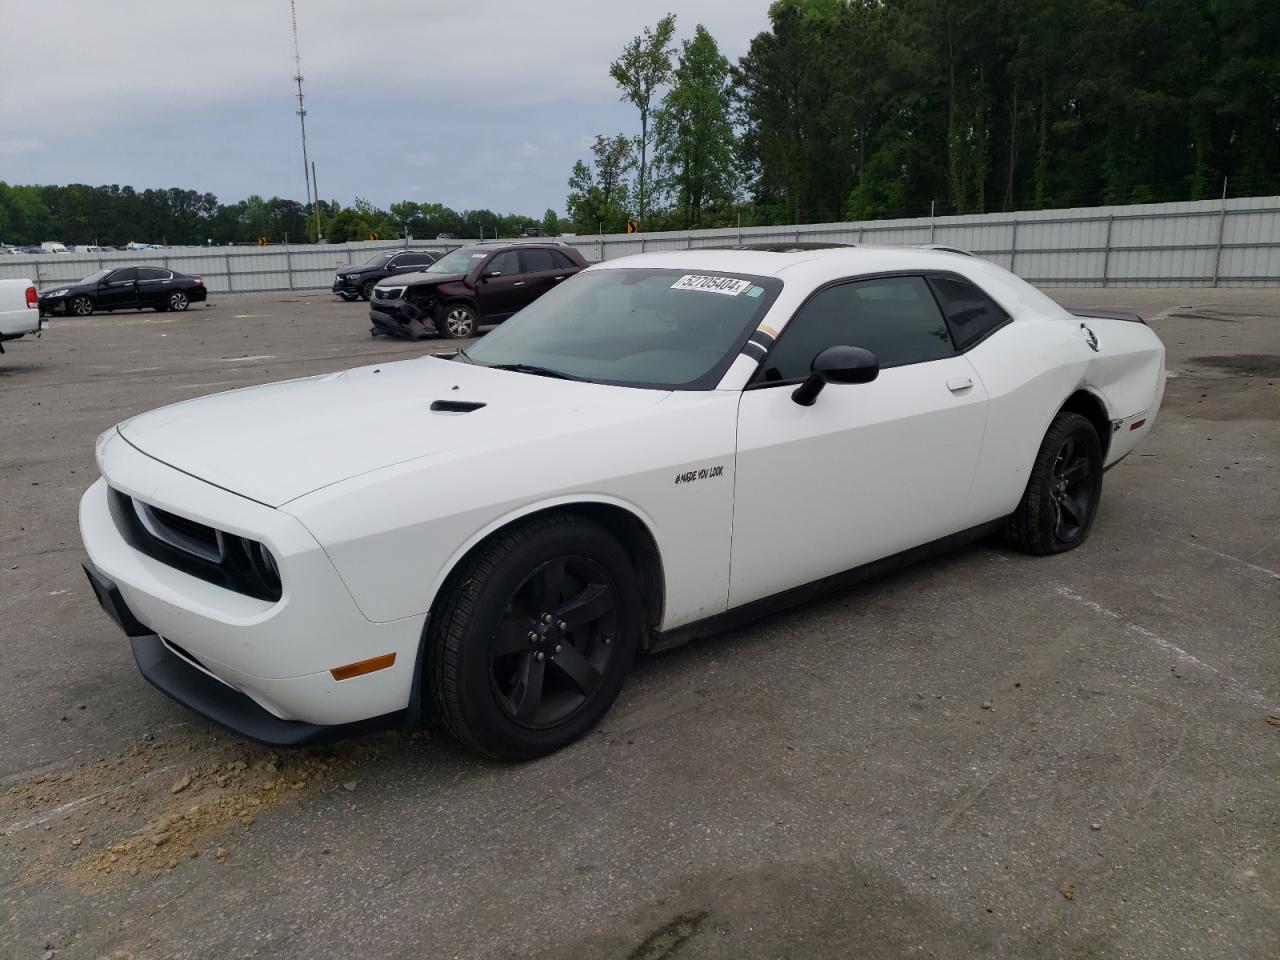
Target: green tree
(598, 193)
(551, 223)
(644, 66)
(695, 139)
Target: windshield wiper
(530, 368)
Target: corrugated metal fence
(1199, 243)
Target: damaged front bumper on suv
(392, 313)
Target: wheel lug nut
(546, 618)
(533, 637)
(558, 648)
(562, 626)
(539, 655)
(606, 641)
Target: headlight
(389, 293)
(351, 276)
(57, 293)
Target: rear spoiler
(1102, 314)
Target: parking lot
(984, 755)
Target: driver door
(501, 288)
(870, 469)
(119, 290)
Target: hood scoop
(455, 406)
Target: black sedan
(123, 288)
(358, 282)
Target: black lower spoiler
(1103, 314)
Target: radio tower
(302, 119)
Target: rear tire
(1061, 499)
(533, 638)
(177, 300)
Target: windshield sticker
(478, 256)
(725, 285)
(755, 291)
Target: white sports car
(659, 448)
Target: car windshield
(95, 277)
(378, 260)
(458, 261)
(660, 328)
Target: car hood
(278, 442)
(420, 278)
(75, 287)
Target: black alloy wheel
(1061, 499)
(552, 648)
(81, 306)
(1072, 491)
(532, 637)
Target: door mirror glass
(837, 365)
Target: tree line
(875, 109)
(114, 215)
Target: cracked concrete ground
(823, 783)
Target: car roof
(790, 260)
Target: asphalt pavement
(983, 755)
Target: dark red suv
(483, 283)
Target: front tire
(81, 306)
(533, 638)
(1061, 499)
(459, 321)
(366, 289)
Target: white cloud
(126, 68)
(15, 145)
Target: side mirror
(837, 365)
(490, 274)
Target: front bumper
(166, 670)
(276, 655)
(341, 285)
(52, 306)
(400, 318)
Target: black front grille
(202, 534)
(230, 561)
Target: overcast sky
(471, 103)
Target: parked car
(482, 283)
(19, 315)
(124, 288)
(356, 283)
(665, 447)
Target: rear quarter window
(970, 313)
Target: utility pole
(319, 236)
(308, 169)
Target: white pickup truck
(19, 313)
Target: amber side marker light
(1136, 424)
(363, 667)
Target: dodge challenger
(660, 448)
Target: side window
(970, 313)
(152, 273)
(562, 262)
(896, 318)
(536, 261)
(411, 260)
(127, 275)
(506, 263)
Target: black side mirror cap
(837, 365)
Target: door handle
(518, 283)
(557, 279)
(956, 384)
